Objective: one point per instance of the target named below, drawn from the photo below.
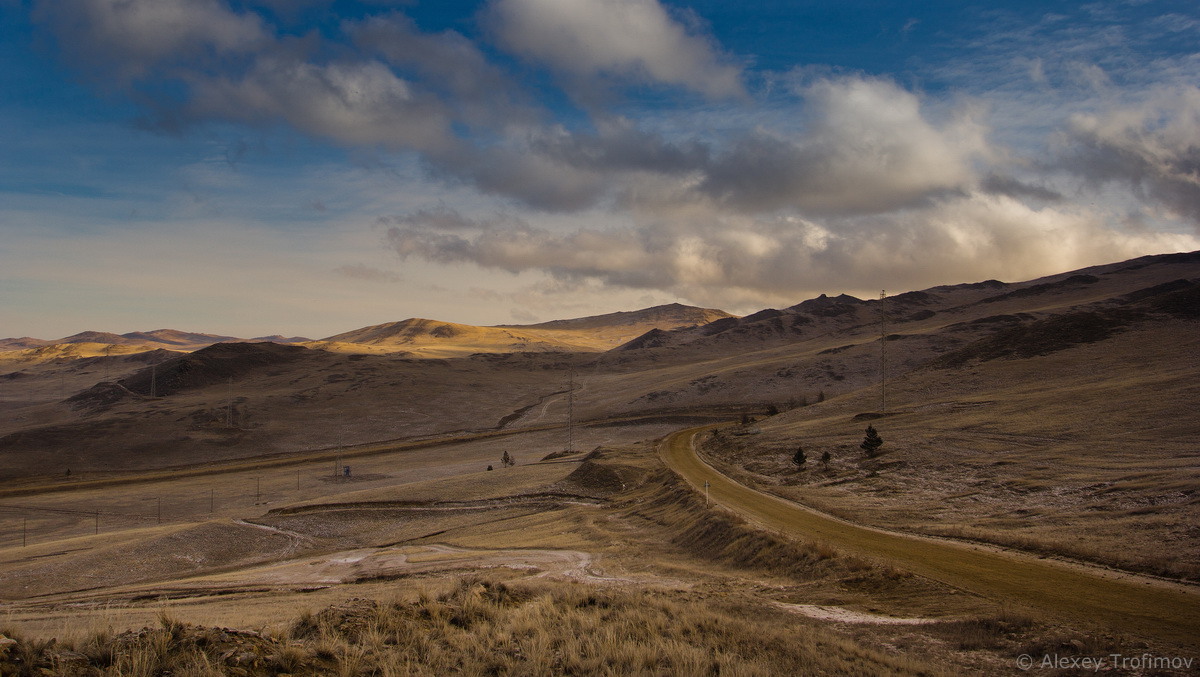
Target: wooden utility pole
(571, 412)
(882, 353)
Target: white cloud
(713, 258)
(359, 103)
(867, 148)
(128, 38)
(1154, 148)
(480, 92)
(634, 39)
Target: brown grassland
(1036, 493)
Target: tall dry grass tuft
(991, 632)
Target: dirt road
(1049, 589)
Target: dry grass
(480, 626)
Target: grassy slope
(1048, 588)
(1085, 453)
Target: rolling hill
(420, 337)
(373, 386)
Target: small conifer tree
(871, 442)
(825, 458)
(799, 458)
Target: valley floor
(422, 561)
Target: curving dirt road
(1053, 590)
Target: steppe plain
(174, 505)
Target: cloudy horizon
(254, 167)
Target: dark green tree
(772, 410)
(871, 442)
(507, 460)
(825, 458)
(799, 458)
(821, 396)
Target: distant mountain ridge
(665, 327)
(103, 344)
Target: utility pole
(212, 501)
(229, 405)
(882, 353)
(571, 412)
(153, 381)
(297, 480)
(257, 489)
(97, 522)
(158, 509)
(706, 503)
(24, 530)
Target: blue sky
(311, 166)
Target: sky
(307, 167)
